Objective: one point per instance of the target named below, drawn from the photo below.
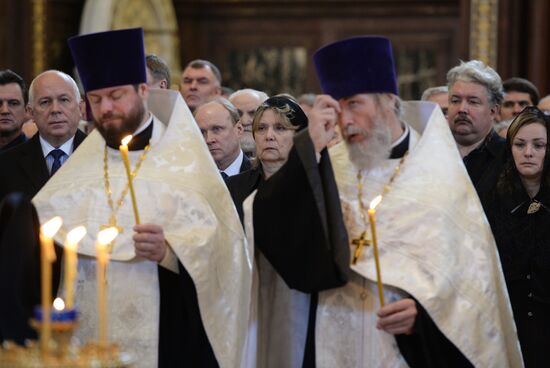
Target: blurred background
(268, 45)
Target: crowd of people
(464, 257)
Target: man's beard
(130, 122)
(371, 151)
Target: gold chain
(362, 240)
(109, 193)
(384, 191)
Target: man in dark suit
(54, 103)
(13, 96)
(219, 123)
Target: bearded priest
(178, 282)
(446, 303)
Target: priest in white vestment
(446, 303)
(179, 282)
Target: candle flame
(106, 236)
(375, 202)
(50, 228)
(126, 140)
(59, 304)
(76, 234)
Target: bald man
(247, 101)
(54, 104)
(219, 123)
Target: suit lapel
(33, 163)
(245, 165)
(78, 138)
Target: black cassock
(298, 226)
(182, 337)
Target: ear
(240, 129)
(28, 111)
(164, 84)
(82, 108)
(495, 112)
(143, 91)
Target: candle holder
(63, 323)
(60, 350)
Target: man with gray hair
(54, 104)
(439, 95)
(247, 101)
(475, 95)
(219, 123)
(200, 81)
(158, 72)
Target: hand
(322, 120)
(150, 242)
(398, 317)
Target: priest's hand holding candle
(104, 238)
(372, 219)
(123, 148)
(47, 257)
(71, 263)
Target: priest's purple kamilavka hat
(109, 59)
(361, 64)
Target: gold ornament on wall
(483, 31)
(38, 36)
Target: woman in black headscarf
(519, 213)
(275, 122)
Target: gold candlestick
(104, 238)
(372, 220)
(124, 153)
(47, 257)
(71, 263)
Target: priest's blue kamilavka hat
(362, 64)
(109, 59)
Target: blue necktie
(224, 175)
(56, 154)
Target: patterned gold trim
(38, 35)
(483, 31)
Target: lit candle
(372, 219)
(104, 238)
(47, 257)
(71, 261)
(124, 153)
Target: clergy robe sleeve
(427, 347)
(298, 222)
(170, 260)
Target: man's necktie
(224, 175)
(56, 154)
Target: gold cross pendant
(119, 228)
(359, 242)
